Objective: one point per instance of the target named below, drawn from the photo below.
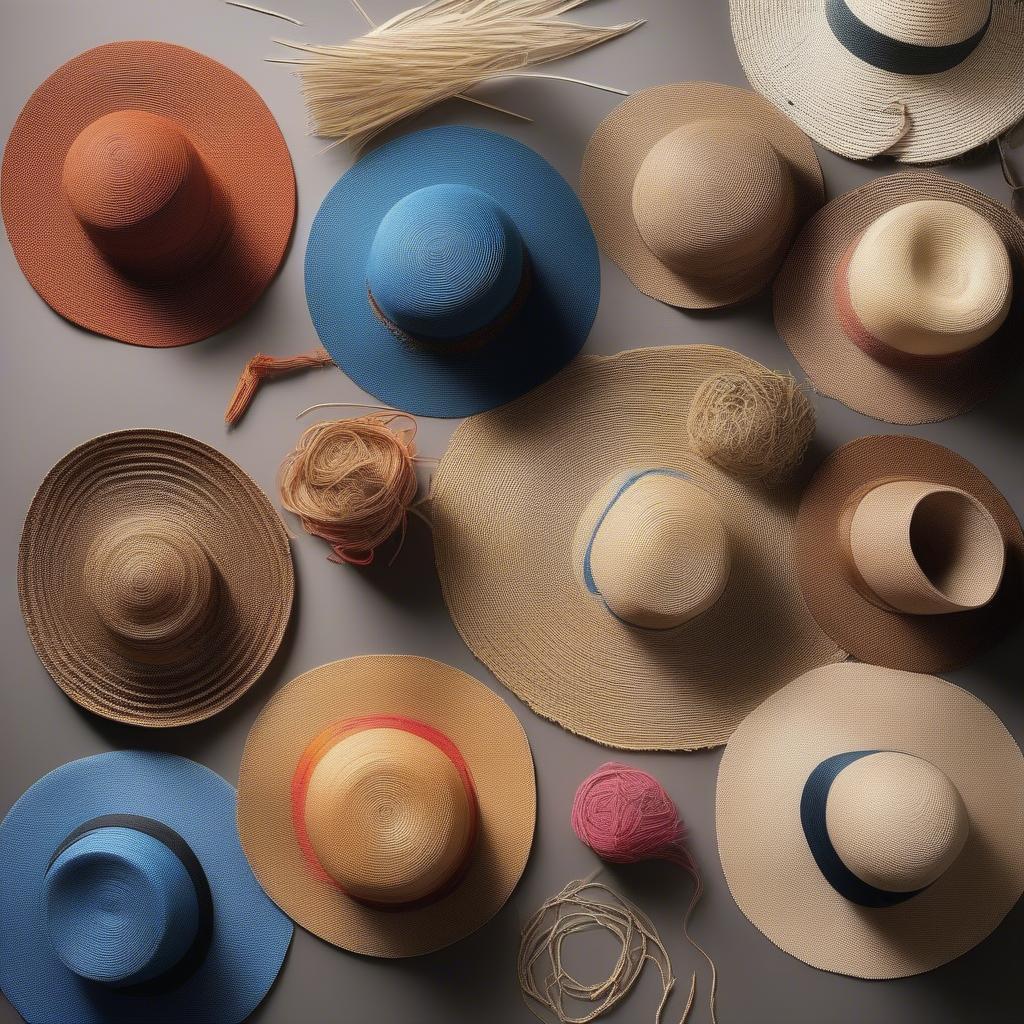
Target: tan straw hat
(695, 190)
(871, 821)
(923, 80)
(387, 803)
(908, 555)
(605, 573)
(904, 299)
(155, 578)
(148, 193)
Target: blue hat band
(896, 55)
(465, 342)
(171, 861)
(813, 803)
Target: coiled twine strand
(582, 906)
(755, 424)
(352, 482)
(625, 815)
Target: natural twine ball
(352, 482)
(754, 424)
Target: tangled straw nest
(352, 482)
(755, 424)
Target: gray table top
(62, 386)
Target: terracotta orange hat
(148, 193)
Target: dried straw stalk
(433, 53)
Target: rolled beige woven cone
(512, 496)
(937, 818)
(155, 578)
(958, 234)
(792, 55)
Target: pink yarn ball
(624, 815)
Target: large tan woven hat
(923, 80)
(695, 190)
(908, 555)
(155, 578)
(387, 803)
(871, 821)
(904, 299)
(605, 573)
(148, 193)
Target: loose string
(625, 816)
(585, 905)
(352, 482)
(1009, 176)
(263, 367)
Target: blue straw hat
(452, 270)
(127, 897)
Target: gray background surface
(62, 386)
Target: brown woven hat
(871, 821)
(605, 573)
(908, 555)
(387, 803)
(148, 193)
(904, 299)
(695, 190)
(155, 578)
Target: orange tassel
(263, 367)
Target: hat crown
(895, 820)
(446, 261)
(923, 22)
(142, 193)
(713, 197)
(930, 278)
(654, 548)
(120, 907)
(389, 816)
(151, 583)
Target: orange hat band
(341, 731)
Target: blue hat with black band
(128, 898)
(452, 270)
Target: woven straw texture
(241, 149)
(807, 315)
(728, 183)
(544, 333)
(489, 739)
(792, 57)
(839, 600)
(768, 863)
(155, 578)
(249, 938)
(508, 498)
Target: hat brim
(918, 643)
(234, 132)
(621, 143)
(507, 500)
(250, 936)
(548, 330)
(489, 738)
(792, 57)
(807, 317)
(769, 866)
(159, 473)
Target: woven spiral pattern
(837, 598)
(351, 482)
(167, 662)
(755, 426)
(791, 56)
(808, 318)
(507, 501)
(181, 177)
(695, 190)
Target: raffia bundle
(432, 53)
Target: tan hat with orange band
(387, 804)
